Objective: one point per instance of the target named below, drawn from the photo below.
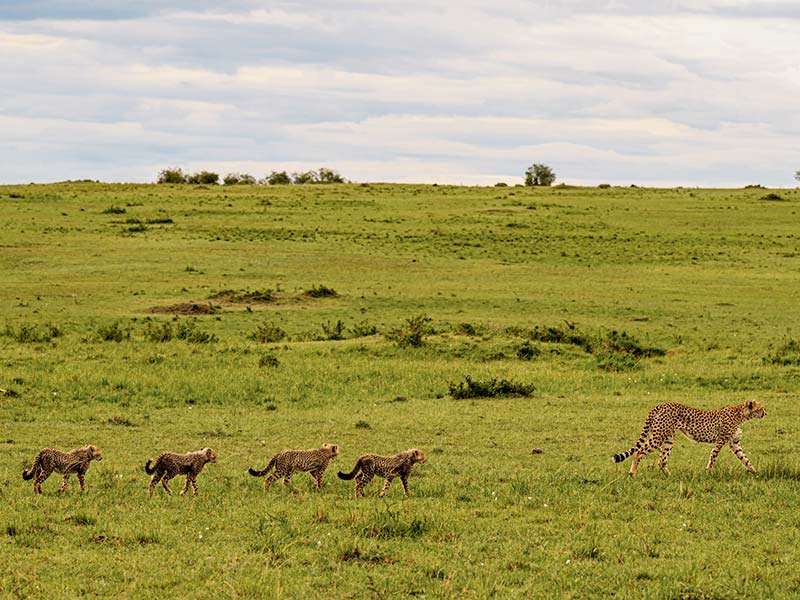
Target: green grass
(144, 318)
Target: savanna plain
(479, 324)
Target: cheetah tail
(352, 473)
(617, 458)
(26, 475)
(148, 469)
(260, 473)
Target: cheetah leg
(64, 484)
(37, 482)
(151, 488)
(317, 477)
(186, 486)
(386, 483)
(362, 479)
(164, 481)
(404, 481)
(82, 480)
(714, 453)
(663, 458)
(640, 454)
(736, 448)
(269, 480)
(288, 479)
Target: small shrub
(363, 329)
(567, 334)
(321, 291)
(187, 331)
(501, 184)
(772, 196)
(466, 329)
(333, 332)
(114, 210)
(268, 360)
(488, 389)
(615, 361)
(156, 331)
(33, 333)
(115, 332)
(268, 333)
(622, 342)
(528, 352)
(362, 425)
(414, 332)
(243, 296)
(604, 186)
(788, 354)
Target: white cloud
(680, 91)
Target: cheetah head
(332, 449)
(95, 453)
(211, 456)
(756, 410)
(417, 456)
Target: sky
(655, 93)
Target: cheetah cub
(75, 461)
(288, 461)
(388, 467)
(169, 465)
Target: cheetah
(719, 427)
(286, 462)
(388, 467)
(169, 464)
(75, 461)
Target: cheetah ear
(751, 404)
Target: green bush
(114, 332)
(414, 332)
(321, 291)
(470, 388)
(268, 333)
(158, 331)
(187, 330)
(33, 333)
(172, 175)
(788, 354)
(203, 178)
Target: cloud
(683, 91)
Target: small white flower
(568, 561)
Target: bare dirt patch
(185, 308)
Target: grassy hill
(473, 323)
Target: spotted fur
(75, 461)
(288, 461)
(169, 465)
(388, 467)
(719, 427)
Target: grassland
(144, 318)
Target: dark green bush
(788, 354)
(470, 388)
(414, 332)
(268, 333)
(321, 291)
(114, 332)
